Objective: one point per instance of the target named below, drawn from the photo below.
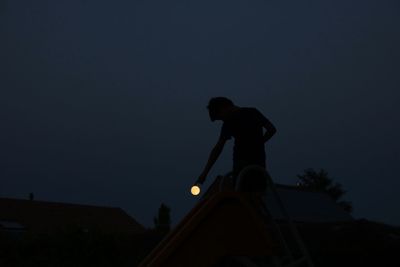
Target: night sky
(104, 102)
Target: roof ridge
(57, 203)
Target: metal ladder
(288, 259)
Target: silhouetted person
(246, 125)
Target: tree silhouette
(162, 222)
(320, 181)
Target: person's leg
(252, 179)
(238, 166)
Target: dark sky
(103, 102)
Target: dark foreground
(359, 243)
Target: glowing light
(195, 190)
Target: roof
(225, 224)
(9, 225)
(304, 205)
(41, 216)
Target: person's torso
(247, 130)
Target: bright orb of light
(195, 190)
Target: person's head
(218, 107)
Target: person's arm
(270, 130)
(265, 123)
(215, 152)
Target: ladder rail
(297, 237)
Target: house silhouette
(47, 217)
(305, 206)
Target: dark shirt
(246, 126)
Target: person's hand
(201, 179)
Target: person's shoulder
(249, 110)
(253, 113)
(246, 113)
